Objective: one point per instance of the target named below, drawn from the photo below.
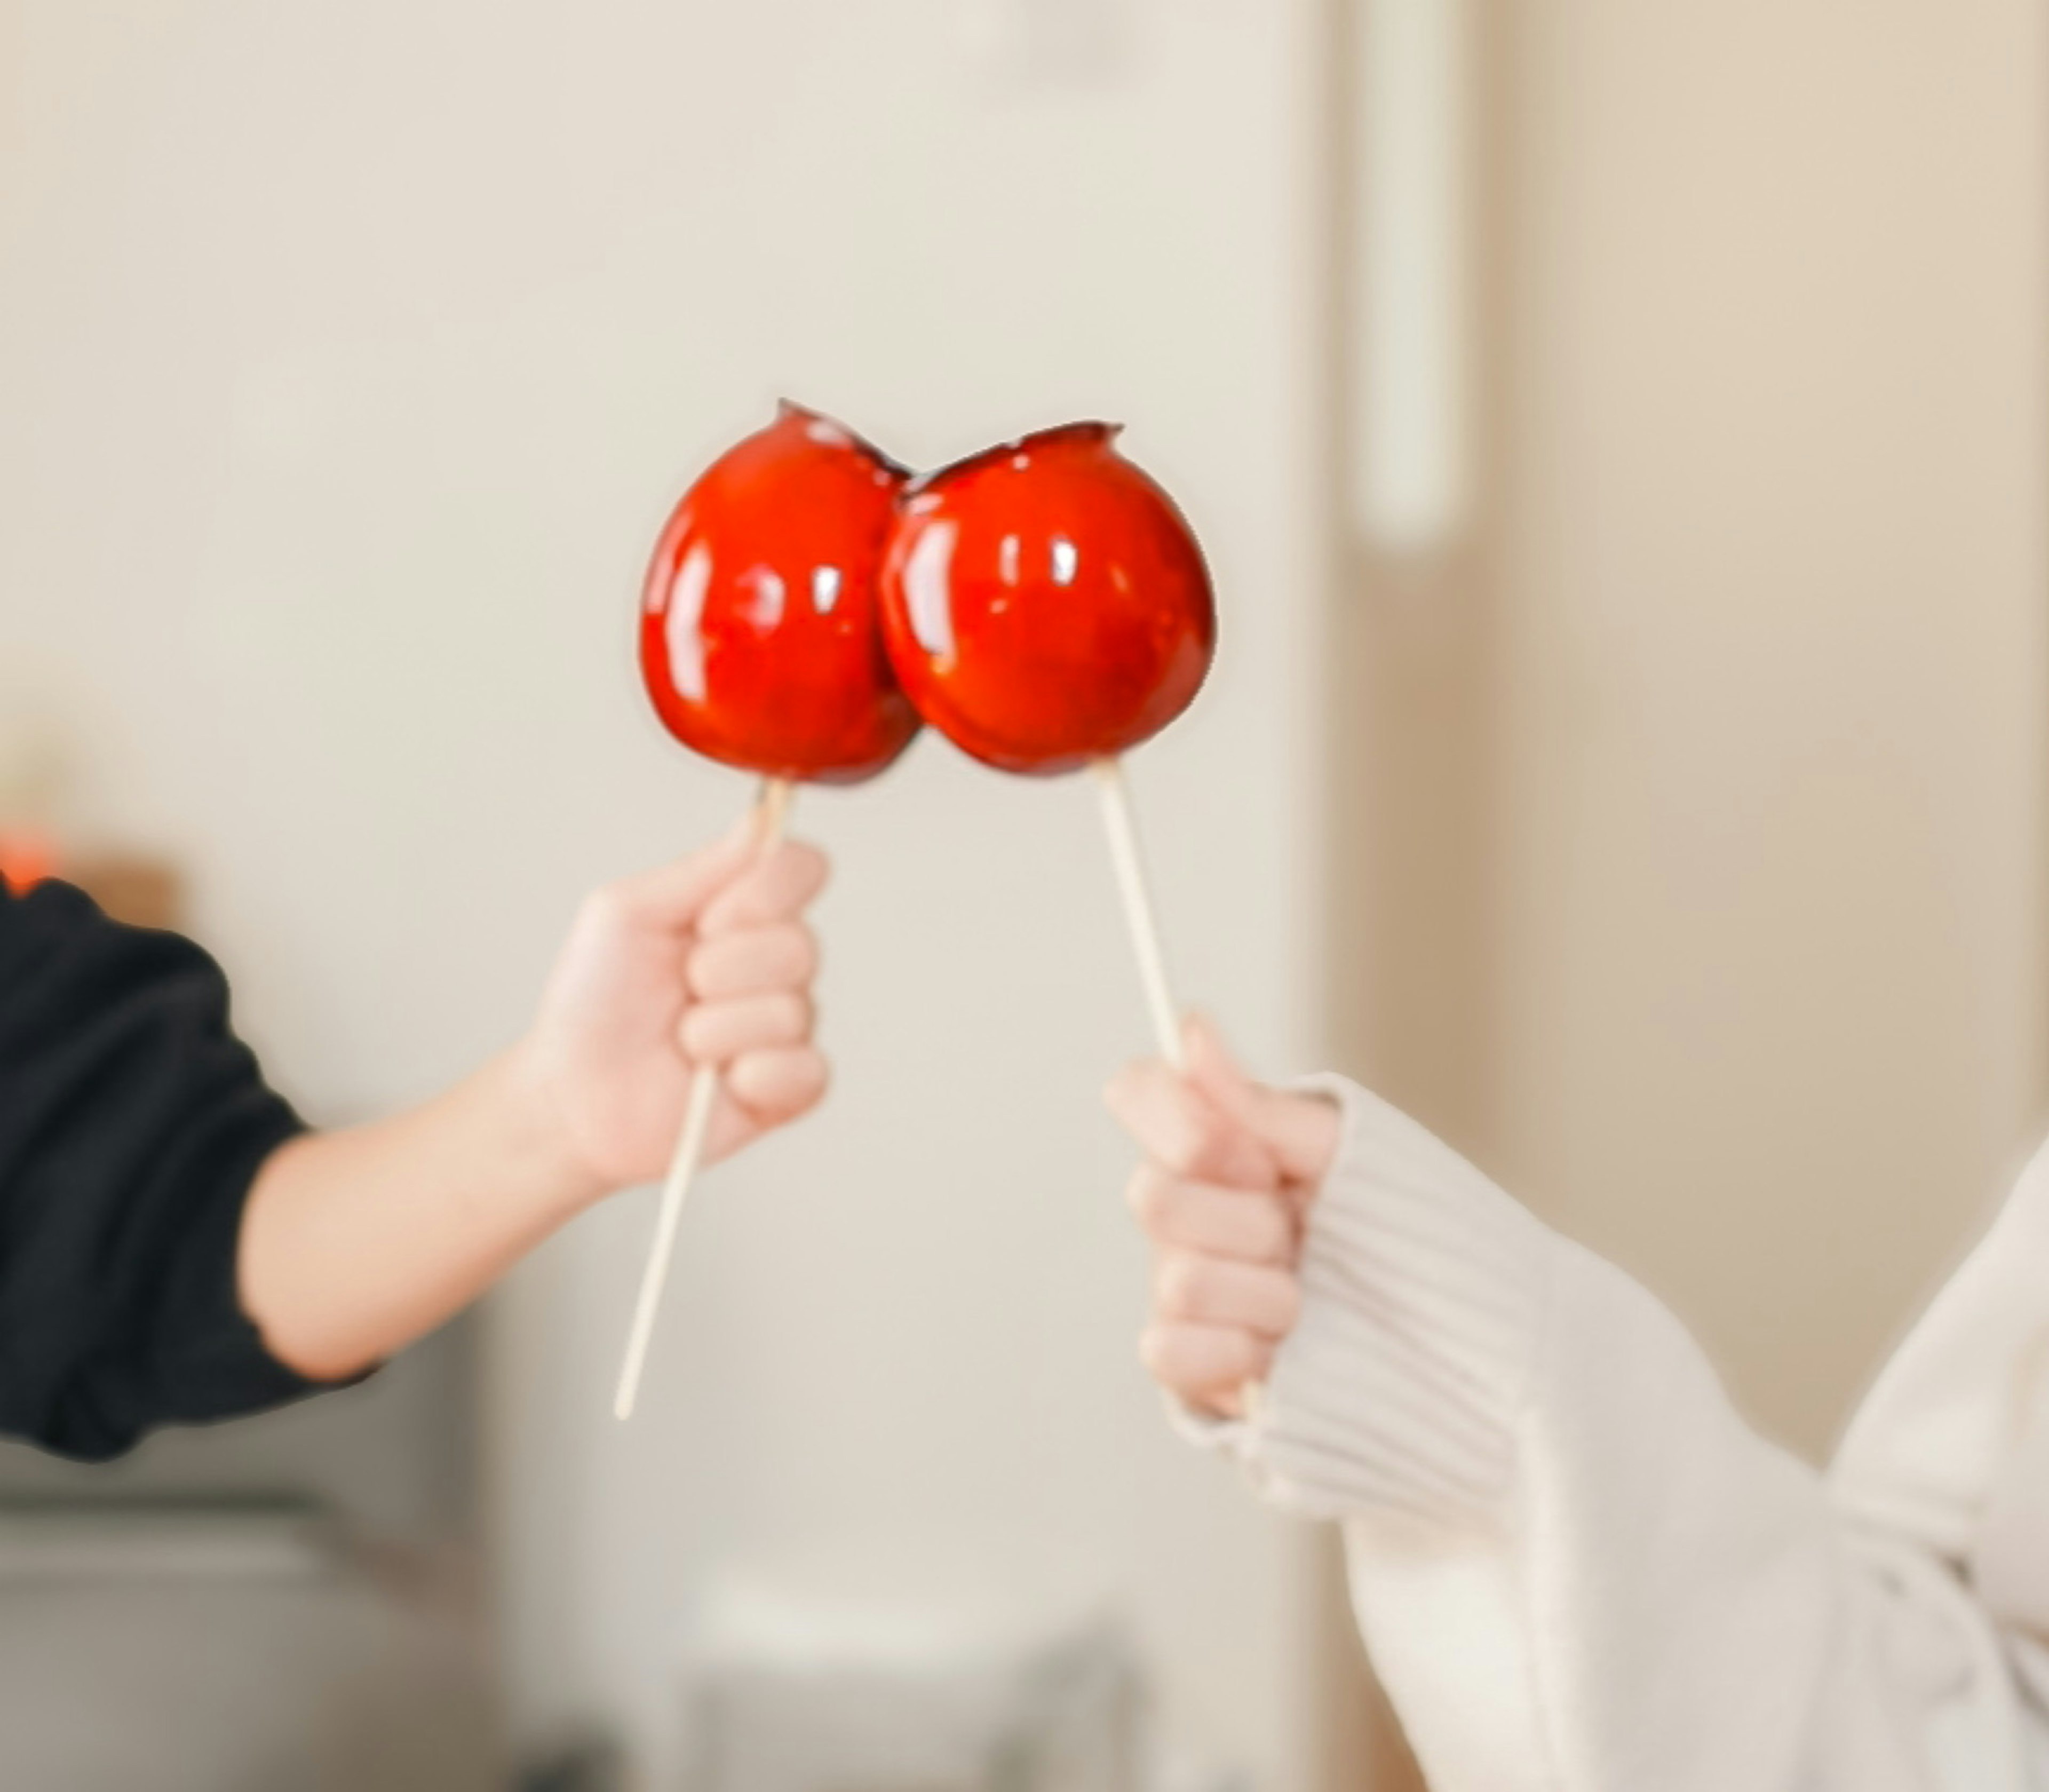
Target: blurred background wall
(1715, 735)
(1662, 819)
(351, 358)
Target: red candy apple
(1045, 603)
(759, 641)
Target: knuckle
(1275, 1232)
(1183, 1286)
(711, 926)
(1236, 1353)
(606, 908)
(1147, 1192)
(1188, 1144)
(790, 962)
(1257, 1228)
(1205, 1139)
(1150, 1353)
(783, 1080)
(702, 966)
(1158, 1351)
(813, 868)
(815, 1074)
(728, 911)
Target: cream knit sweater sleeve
(1576, 1568)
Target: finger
(716, 1032)
(1200, 1216)
(1193, 1288)
(778, 1085)
(1180, 1127)
(1301, 1131)
(776, 886)
(762, 1090)
(784, 956)
(1206, 1366)
(674, 894)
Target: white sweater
(1576, 1568)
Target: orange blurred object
(25, 859)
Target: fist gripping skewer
(761, 648)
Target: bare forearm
(356, 1242)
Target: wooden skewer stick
(771, 810)
(1130, 864)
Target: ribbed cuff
(1423, 1289)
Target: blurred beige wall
(1695, 804)
(1775, 636)
(349, 360)
(1716, 764)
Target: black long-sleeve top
(132, 1124)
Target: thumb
(1300, 1130)
(673, 894)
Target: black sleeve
(132, 1124)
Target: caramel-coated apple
(760, 640)
(1045, 603)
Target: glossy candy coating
(761, 643)
(1045, 603)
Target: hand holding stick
(1130, 862)
(771, 812)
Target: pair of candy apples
(1042, 604)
